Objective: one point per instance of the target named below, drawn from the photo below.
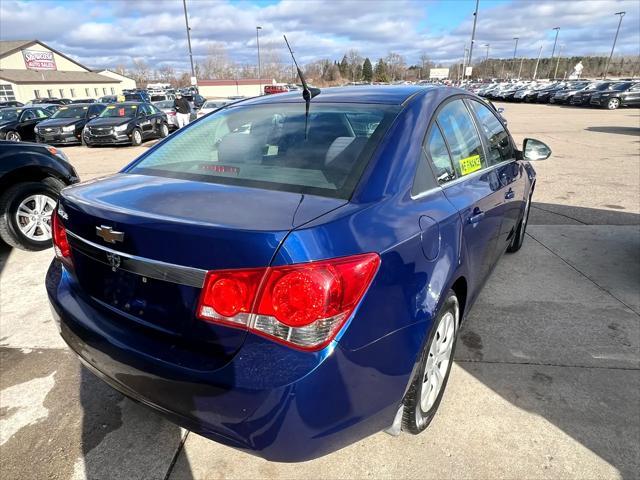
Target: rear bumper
(271, 401)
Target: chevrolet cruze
(287, 276)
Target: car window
(274, 147)
(436, 149)
(500, 147)
(462, 137)
(28, 115)
(40, 113)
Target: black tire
(136, 142)
(164, 130)
(9, 202)
(613, 103)
(414, 419)
(13, 136)
(518, 237)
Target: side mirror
(535, 150)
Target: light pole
(186, 21)
(515, 49)
(553, 51)
(606, 70)
(473, 34)
(555, 75)
(258, 28)
(535, 71)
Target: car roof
(383, 94)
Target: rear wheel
(25, 213)
(427, 387)
(613, 103)
(136, 138)
(518, 237)
(13, 136)
(164, 130)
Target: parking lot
(546, 382)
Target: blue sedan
(286, 278)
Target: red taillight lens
(59, 234)
(302, 305)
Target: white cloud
(113, 32)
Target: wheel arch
(30, 173)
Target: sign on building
(439, 73)
(39, 60)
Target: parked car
(584, 96)
(108, 99)
(136, 97)
(10, 103)
(126, 123)
(544, 95)
(50, 108)
(17, 124)
(83, 100)
(196, 101)
(623, 94)
(211, 105)
(159, 97)
(66, 125)
(273, 89)
(169, 109)
(50, 101)
(288, 284)
(31, 177)
(564, 96)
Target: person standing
(183, 110)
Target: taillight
(302, 305)
(60, 242)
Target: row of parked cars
(606, 94)
(91, 123)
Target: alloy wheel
(137, 137)
(438, 359)
(613, 104)
(33, 217)
(13, 137)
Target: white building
(30, 69)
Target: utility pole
(259, 66)
(464, 62)
(606, 70)
(186, 21)
(555, 75)
(535, 71)
(557, 29)
(515, 49)
(473, 35)
(520, 71)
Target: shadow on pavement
(617, 130)
(551, 335)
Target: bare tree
(354, 60)
(140, 71)
(395, 65)
(217, 64)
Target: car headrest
(239, 148)
(338, 146)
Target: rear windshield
(120, 111)
(264, 146)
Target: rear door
(501, 155)
(632, 97)
(471, 186)
(145, 120)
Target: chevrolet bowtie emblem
(109, 235)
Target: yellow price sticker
(470, 164)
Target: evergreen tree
(367, 70)
(344, 67)
(380, 72)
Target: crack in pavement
(576, 269)
(541, 364)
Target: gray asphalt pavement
(546, 382)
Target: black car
(108, 99)
(31, 177)
(624, 94)
(17, 124)
(136, 97)
(564, 96)
(583, 97)
(83, 100)
(65, 126)
(126, 123)
(10, 103)
(51, 101)
(196, 100)
(545, 95)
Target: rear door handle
(509, 195)
(476, 216)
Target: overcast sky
(109, 33)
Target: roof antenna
(307, 93)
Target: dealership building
(29, 69)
